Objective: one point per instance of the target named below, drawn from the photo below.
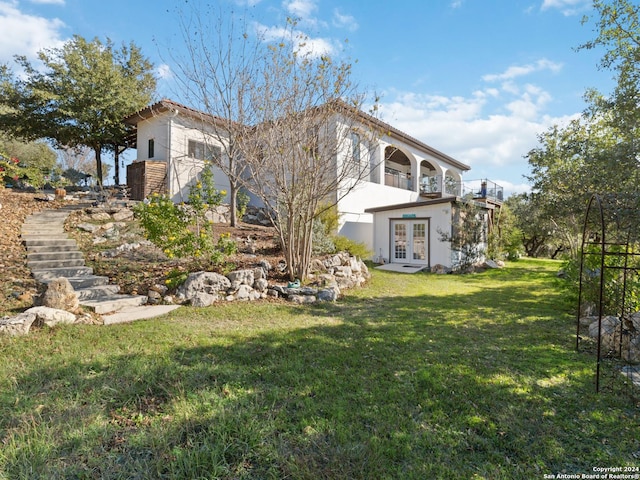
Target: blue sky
(476, 79)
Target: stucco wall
(172, 144)
(372, 192)
(439, 216)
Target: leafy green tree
(599, 152)
(80, 97)
(505, 238)
(537, 233)
(37, 156)
(618, 27)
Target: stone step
(52, 254)
(47, 274)
(83, 282)
(72, 246)
(39, 229)
(37, 239)
(47, 264)
(46, 218)
(131, 314)
(114, 302)
(63, 255)
(93, 293)
(47, 241)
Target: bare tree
(312, 142)
(215, 75)
(288, 119)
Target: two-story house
(397, 209)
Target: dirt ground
(134, 272)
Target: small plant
(242, 201)
(175, 278)
(322, 239)
(166, 225)
(185, 230)
(326, 240)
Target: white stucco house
(403, 201)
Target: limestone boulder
(18, 325)
(241, 277)
(207, 282)
(301, 299)
(328, 294)
(244, 292)
(60, 295)
(261, 284)
(202, 299)
(51, 316)
(123, 214)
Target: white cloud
(344, 21)
(302, 9)
(24, 34)
(304, 44)
(48, 2)
(516, 71)
(567, 7)
(490, 130)
(164, 71)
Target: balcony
(398, 179)
(431, 186)
(483, 189)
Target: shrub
(326, 240)
(357, 249)
(184, 230)
(242, 201)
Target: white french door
(410, 242)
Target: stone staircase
(52, 254)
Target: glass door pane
(419, 243)
(400, 241)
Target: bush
(242, 201)
(183, 230)
(357, 249)
(326, 241)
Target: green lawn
(415, 376)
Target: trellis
(608, 241)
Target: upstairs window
(151, 148)
(355, 148)
(202, 151)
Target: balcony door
(410, 241)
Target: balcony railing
(395, 178)
(483, 189)
(432, 185)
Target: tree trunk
(233, 197)
(116, 161)
(98, 152)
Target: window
(202, 151)
(150, 148)
(355, 148)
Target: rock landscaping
(620, 336)
(117, 250)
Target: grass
(414, 376)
